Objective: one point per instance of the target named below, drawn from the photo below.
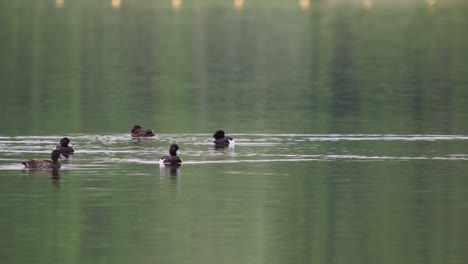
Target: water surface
(349, 119)
(272, 197)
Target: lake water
(349, 119)
(272, 198)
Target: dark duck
(172, 158)
(138, 131)
(64, 148)
(221, 140)
(44, 164)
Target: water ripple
(103, 151)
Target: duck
(221, 140)
(44, 164)
(64, 148)
(172, 158)
(138, 131)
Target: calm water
(349, 119)
(272, 198)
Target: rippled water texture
(113, 150)
(300, 197)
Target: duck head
(55, 154)
(218, 134)
(64, 142)
(173, 149)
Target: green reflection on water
(335, 68)
(334, 212)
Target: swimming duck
(172, 158)
(44, 164)
(138, 131)
(65, 150)
(221, 140)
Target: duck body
(64, 148)
(44, 164)
(225, 140)
(221, 140)
(138, 131)
(172, 158)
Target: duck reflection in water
(222, 141)
(55, 178)
(172, 169)
(54, 173)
